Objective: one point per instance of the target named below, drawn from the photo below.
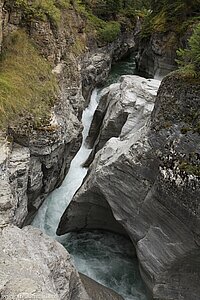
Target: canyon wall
(36, 160)
(149, 179)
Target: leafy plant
(189, 59)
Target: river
(108, 258)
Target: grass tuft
(27, 86)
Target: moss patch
(190, 168)
(27, 85)
(42, 9)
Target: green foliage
(104, 31)
(107, 7)
(190, 168)
(27, 85)
(170, 15)
(42, 9)
(189, 59)
(110, 32)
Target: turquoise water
(109, 259)
(124, 67)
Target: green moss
(176, 16)
(189, 168)
(27, 85)
(189, 58)
(42, 9)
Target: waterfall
(50, 212)
(107, 258)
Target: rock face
(36, 266)
(128, 103)
(157, 54)
(133, 96)
(38, 159)
(98, 292)
(149, 177)
(96, 65)
(44, 154)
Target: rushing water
(108, 258)
(50, 212)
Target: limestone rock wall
(135, 96)
(150, 179)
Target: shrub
(110, 32)
(41, 9)
(189, 59)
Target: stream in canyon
(108, 258)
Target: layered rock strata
(149, 177)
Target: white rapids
(49, 214)
(108, 258)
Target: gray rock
(128, 102)
(91, 201)
(150, 179)
(18, 167)
(157, 55)
(35, 266)
(98, 292)
(14, 166)
(96, 64)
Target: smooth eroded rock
(97, 291)
(150, 178)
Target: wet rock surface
(35, 266)
(149, 177)
(97, 291)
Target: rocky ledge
(34, 266)
(147, 180)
